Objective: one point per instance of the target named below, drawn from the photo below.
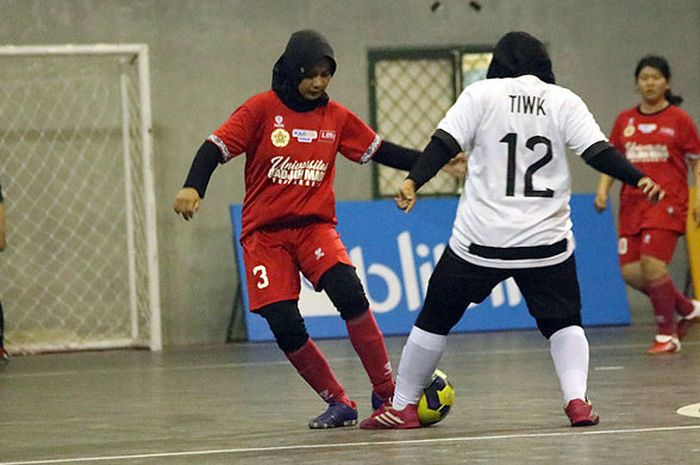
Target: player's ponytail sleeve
(205, 162)
(607, 159)
(441, 149)
(396, 156)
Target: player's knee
(435, 323)
(345, 290)
(286, 324)
(549, 326)
(653, 268)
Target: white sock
(419, 359)
(569, 349)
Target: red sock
(683, 304)
(367, 339)
(662, 294)
(313, 367)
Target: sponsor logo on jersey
(667, 131)
(629, 131)
(279, 137)
(305, 135)
(327, 135)
(284, 170)
(319, 253)
(647, 128)
(279, 121)
(641, 153)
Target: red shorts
(657, 243)
(273, 260)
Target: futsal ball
(437, 399)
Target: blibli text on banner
(395, 253)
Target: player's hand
(601, 201)
(187, 202)
(653, 191)
(406, 198)
(457, 166)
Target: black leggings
(551, 292)
(343, 288)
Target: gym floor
(243, 403)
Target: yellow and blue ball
(437, 399)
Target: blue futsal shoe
(337, 415)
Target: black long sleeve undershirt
(607, 159)
(396, 156)
(205, 162)
(440, 150)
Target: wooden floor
(243, 403)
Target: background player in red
(3, 354)
(661, 140)
(291, 135)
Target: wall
(208, 56)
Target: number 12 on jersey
(511, 139)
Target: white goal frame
(138, 55)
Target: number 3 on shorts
(261, 273)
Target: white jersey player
(517, 196)
(514, 221)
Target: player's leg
(273, 284)
(629, 249)
(287, 324)
(345, 291)
(553, 297)
(656, 251)
(454, 284)
(324, 260)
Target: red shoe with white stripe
(388, 417)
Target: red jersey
(290, 158)
(659, 145)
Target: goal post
(81, 266)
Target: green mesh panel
(411, 95)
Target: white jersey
(516, 210)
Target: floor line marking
(355, 444)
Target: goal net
(81, 268)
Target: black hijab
(519, 53)
(304, 50)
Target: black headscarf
(304, 50)
(518, 54)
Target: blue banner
(395, 254)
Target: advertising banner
(395, 254)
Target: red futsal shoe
(581, 413)
(664, 344)
(388, 417)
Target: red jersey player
(660, 139)
(291, 135)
